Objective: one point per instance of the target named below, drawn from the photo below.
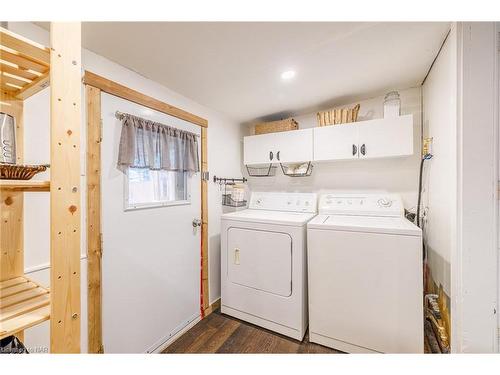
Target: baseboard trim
(214, 306)
(175, 335)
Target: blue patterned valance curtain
(149, 144)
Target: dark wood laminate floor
(220, 333)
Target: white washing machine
(263, 262)
(365, 275)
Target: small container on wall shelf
(233, 194)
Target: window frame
(127, 206)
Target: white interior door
(151, 260)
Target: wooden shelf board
(25, 185)
(24, 65)
(23, 304)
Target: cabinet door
(286, 147)
(294, 146)
(257, 149)
(386, 137)
(336, 142)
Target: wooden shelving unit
(24, 65)
(26, 68)
(23, 304)
(22, 185)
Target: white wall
(474, 263)
(224, 158)
(440, 177)
(395, 175)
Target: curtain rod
(119, 115)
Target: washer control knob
(383, 202)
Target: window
(150, 188)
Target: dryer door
(260, 260)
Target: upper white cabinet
(379, 138)
(336, 142)
(386, 138)
(285, 147)
(370, 139)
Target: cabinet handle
(363, 149)
(354, 150)
(271, 155)
(278, 155)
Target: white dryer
(365, 275)
(263, 262)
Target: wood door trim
(95, 85)
(94, 251)
(127, 93)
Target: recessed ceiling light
(288, 75)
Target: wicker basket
(276, 126)
(338, 116)
(20, 172)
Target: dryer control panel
(288, 202)
(362, 204)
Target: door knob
(270, 155)
(196, 223)
(354, 150)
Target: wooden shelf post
(65, 209)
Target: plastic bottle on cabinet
(392, 105)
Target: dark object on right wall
(12, 345)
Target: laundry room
(249, 187)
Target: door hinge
(205, 175)
(100, 132)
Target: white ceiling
(235, 68)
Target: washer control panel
(362, 204)
(289, 202)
